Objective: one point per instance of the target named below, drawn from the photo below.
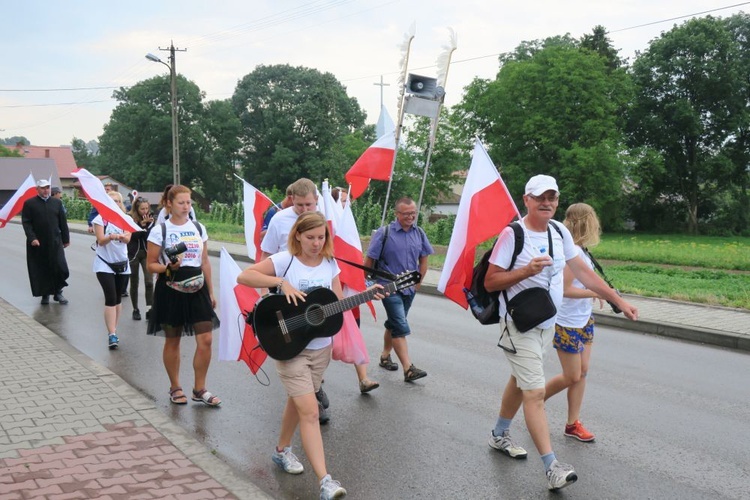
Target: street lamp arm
(153, 58)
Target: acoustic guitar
(284, 330)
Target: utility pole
(175, 126)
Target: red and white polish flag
(14, 205)
(237, 340)
(346, 242)
(486, 207)
(109, 210)
(255, 205)
(376, 162)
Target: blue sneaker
(113, 341)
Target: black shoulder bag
(599, 269)
(531, 306)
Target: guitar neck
(355, 300)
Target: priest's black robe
(45, 220)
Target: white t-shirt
(303, 277)
(535, 244)
(113, 251)
(575, 313)
(187, 233)
(278, 231)
(162, 215)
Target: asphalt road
(672, 419)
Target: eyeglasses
(408, 214)
(542, 199)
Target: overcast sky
(49, 45)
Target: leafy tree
(83, 157)
(691, 95)
(344, 153)
(5, 152)
(12, 141)
(737, 189)
(292, 117)
(555, 110)
(599, 43)
(136, 145)
(218, 152)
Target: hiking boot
(322, 398)
(323, 415)
(136, 314)
(287, 461)
(330, 489)
(388, 364)
(505, 444)
(414, 373)
(59, 298)
(578, 431)
(559, 475)
(113, 341)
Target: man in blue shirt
(400, 246)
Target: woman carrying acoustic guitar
(307, 263)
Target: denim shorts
(572, 340)
(396, 308)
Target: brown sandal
(206, 397)
(175, 399)
(367, 385)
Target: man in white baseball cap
(540, 184)
(539, 265)
(46, 227)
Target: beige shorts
(303, 373)
(527, 363)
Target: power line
(307, 9)
(51, 104)
(57, 90)
(679, 17)
(469, 59)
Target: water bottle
(476, 308)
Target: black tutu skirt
(172, 308)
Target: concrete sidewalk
(70, 428)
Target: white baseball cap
(540, 184)
(42, 183)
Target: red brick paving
(125, 463)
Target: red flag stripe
(94, 190)
(485, 209)
(14, 205)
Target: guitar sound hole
(314, 315)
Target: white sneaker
(505, 444)
(287, 461)
(330, 489)
(559, 475)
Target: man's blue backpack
(484, 304)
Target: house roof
(62, 156)
(13, 171)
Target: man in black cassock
(46, 228)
